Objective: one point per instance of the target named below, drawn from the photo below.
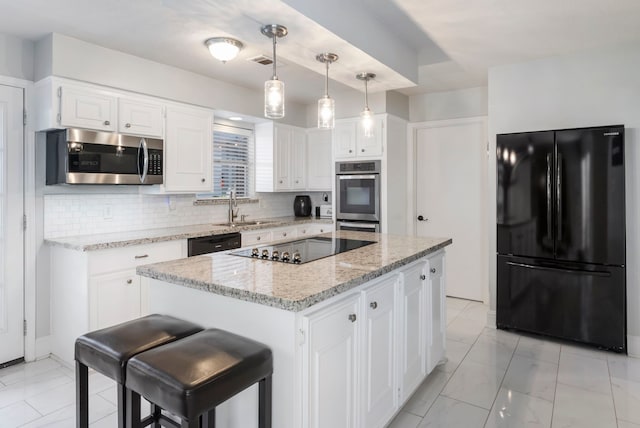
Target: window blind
(232, 159)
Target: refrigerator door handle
(559, 195)
(565, 270)
(549, 198)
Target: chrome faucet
(233, 203)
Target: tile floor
(492, 379)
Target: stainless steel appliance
(213, 243)
(79, 156)
(358, 191)
(358, 226)
(561, 234)
(303, 250)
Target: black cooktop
(302, 250)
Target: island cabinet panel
(378, 362)
(333, 364)
(413, 327)
(437, 303)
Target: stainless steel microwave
(79, 156)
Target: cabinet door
(188, 146)
(84, 108)
(370, 146)
(282, 152)
(258, 237)
(140, 118)
(379, 397)
(412, 344)
(298, 159)
(285, 233)
(332, 375)
(437, 314)
(114, 298)
(344, 139)
(319, 160)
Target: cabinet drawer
(256, 238)
(284, 234)
(116, 259)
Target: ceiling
(414, 46)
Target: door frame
(29, 209)
(412, 198)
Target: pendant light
(274, 88)
(366, 117)
(326, 104)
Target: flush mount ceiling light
(326, 105)
(223, 48)
(366, 117)
(274, 88)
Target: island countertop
(295, 287)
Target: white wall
(458, 104)
(590, 89)
(16, 57)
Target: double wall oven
(358, 196)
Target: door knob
(423, 277)
(433, 270)
(106, 122)
(421, 218)
(374, 305)
(352, 317)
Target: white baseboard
(491, 319)
(633, 346)
(43, 347)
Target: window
(232, 161)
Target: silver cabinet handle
(106, 122)
(129, 281)
(433, 270)
(423, 277)
(257, 238)
(203, 180)
(284, 233)
(362, 150)
(350, 151)
(144, 256)
(321, 230)
(127, 125)
(304, 231)
(373, 305)
(352, 317)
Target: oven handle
(357, 177)
(353, 224)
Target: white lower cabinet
(333, 363)
(379, 381)
(364, 354)
(100, 288)
(414, 326)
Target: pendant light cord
(326, 80)
(366, 94)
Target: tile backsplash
(85, 214)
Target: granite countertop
(148, 236)
(295, 287)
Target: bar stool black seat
(191, 376)
(108, 350)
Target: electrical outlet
(107, 212)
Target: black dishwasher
(213, 243)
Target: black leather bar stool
(191, 376)
(108, 350)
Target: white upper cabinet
(188, 150)
(83, 108)
(140, 117)
(319, 159)
(281, 158)
(349, 141)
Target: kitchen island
(352, 334)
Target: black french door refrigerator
(561, 234)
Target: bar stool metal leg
(264, 405)
(208, 419)
(82, 395)
(133, 409)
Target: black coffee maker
(302, 206)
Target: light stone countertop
(295, 287)
(148, 236)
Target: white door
(11, 211)
(451, 197)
